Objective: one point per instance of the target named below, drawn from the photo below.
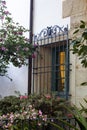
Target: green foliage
(9, 104)
(15, 48)
(82, 121)
(37, 108)
(80, 43)
(80, 115)
(48, 104)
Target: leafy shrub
(80, 43)
(48, 104)
(33, 107)
(9, 104)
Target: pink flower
(17, 48)
(23, 97)
(33, 55)
(27, 40)
(35, 45)
(26, 49)
(34, 114)
(40, 112)
(4, 2)
(3, 48)
(15, 33)
(45, 118)
(24, 113)
(48, 96)
(20, 33)
(2, 17)
(6, 12)
(70, 115)
(39, 123)
(30, 106)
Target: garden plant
(15, 47)
(80, 48)
(38, 109)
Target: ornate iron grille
(51, 62)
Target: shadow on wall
(19, 81)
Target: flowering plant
(49, 104)
(32, 112)
(27, 113)
(14, 46)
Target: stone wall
(76, 10)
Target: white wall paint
(20, 13)
(46, 13)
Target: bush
(9, 104)
(48, 104)
(32, 107)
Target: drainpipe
(31, 39)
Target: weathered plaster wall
(77, 10)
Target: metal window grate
(50, 70)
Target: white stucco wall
(20, 13)
(46, 13)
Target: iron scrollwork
(50, 32)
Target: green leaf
(76, 31)
(64, 122)
(82, 26)
(26, 128)
(80, 119)
(56, 126)
(82, 22)
(84, 83)
(84, 34)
